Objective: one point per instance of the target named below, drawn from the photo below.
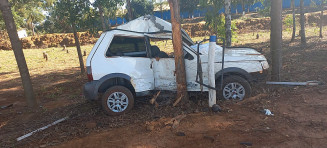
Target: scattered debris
(180, 134)
(177, 101)
(7, 106)
(251, 99)
(216, 108)
(41, 129)
(175, 121)
(246, 143)
(153, 100)
(268, 112)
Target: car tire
(235, 88)
(117, 100)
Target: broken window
(163, 48)
(127, 46)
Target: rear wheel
(235, 88)
(117, 100)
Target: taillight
(89, 73)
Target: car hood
(231, 54)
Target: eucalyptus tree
(18, 52)
(276, 38)
(72, 11)
(106, 6)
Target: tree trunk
(276, 38)
(294, 25)
(321, 18)
(228, 23)
(101, 18)
(302, 22)
(178, 50)
(243, 7)
(78, 46)
(19, 54)
(129, 9)
(249, 5)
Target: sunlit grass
(57, 60)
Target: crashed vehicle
(126, 63)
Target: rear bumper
(89, 90)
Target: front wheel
(234, 87)
(117, 100)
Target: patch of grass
(57, 60)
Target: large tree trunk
(228, 23)
(101, 18)
(129, 9)
(302, 22)
(321, 18)
(19, 54)
(276, 38)
(78, 46)
(294, 25)
(178, 50)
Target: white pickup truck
(125, 63)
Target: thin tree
(72, 11)
(105, 4)
(321, 18)
(129, 10)
(19, 54)
(294, 25)
(302, 22)
(228, 23)
(276, 38)
(178, 50)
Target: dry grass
(58, 60)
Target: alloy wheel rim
(117, 102)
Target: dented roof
(153, 27)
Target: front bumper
(259, 76)
(89, 90)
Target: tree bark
(78, 46)
(249, 5)
(243, 7)
(294, 25)
(228, 23)
(302, 22)
(101, 18)
(19, 54)
(178, 50)
(321, 18)
(276, 38)
(129, 9)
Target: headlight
(264, 65)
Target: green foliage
(288, 21)
(25, 12)
(141, 7)
(71, 10)
(216, 25)
(266, 10)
